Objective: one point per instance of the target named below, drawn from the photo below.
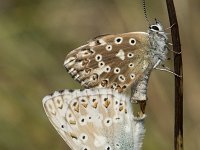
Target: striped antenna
(145, 11)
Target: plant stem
(178, 126)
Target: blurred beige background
(35, 36)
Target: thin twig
(178, 126)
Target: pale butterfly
(119, 61)
(92, 119)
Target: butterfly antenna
(145, 11)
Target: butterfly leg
(139, 93)
(168, 70)
(178, 53)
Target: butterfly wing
(112, 61)
(94, 119)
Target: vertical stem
(178, 126)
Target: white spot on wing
(76, 77)
(107, 69)
(121, 54)
(116, 70)
(108, 122)
(118, 40)
(82, 121)
(83, 137)
(50, 107)
(72, 69)
(98, 57)
(132, 76)
(108, 47)
(70, 61)
(92, 43)
(130, 55)
(131, 65)
(132, 41)
(121, 78)
(101, 64)
(102, 42)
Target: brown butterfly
(119, 61)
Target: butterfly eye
(154, 27)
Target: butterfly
(95, 119)
(119, 61)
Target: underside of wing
(112, 61)
(94, 119)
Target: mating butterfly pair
(119, 61)
(102, 118)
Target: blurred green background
(36, 35)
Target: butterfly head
(158, 42)
(157, 27)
